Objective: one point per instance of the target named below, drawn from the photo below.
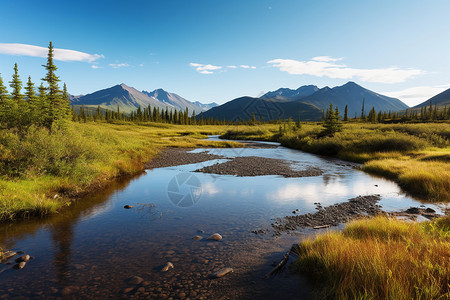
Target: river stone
(7, 255)
(20, 265)
(128, 206)
(167, 267)
(215, 237)
(197, 238)
(127, 290)
(221, 273)
(135, 280)
(24, 258)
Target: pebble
(215, 237)
(135, 280)
(127, 290)
(167, 267)
(24, 258)
(20, 265)
(197, 238)
(221, 273)
(7, 255)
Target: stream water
(90, 249)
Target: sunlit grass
(38, 166)
(426, 178)
(417, 156)
(380, 258)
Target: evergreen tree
(346, 113)
(373, 115)
(4, 98)
(363, 114)
(43, 110)
(332, 122)
(17, 108)
(298, 124)
(58, 105)
(32, 102)
(3, 91)
(16, 85)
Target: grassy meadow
(416, 156)
(37, 166)
(379, 258)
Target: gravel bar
(331, 215)
(258, 166)
(179, 156)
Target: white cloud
(96, 67)
(205, 69)
(324, 66)
(416, 95)
(121, 65)
(247, 67)
(37, 51)
(209, 69)
(326, 58)
(141, 65)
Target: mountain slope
(352, 94)
(269, 109)
(128, 99)
(174, 100)
(441, 99)
(290, 94)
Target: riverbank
(416, 156)
(379, 258)
(43, 172)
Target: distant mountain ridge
(128, 99)
(352, 95)
(290, 94)
(268, 109)
(307, 102)
(441, 99)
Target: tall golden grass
(417, 156)
(380, 258)
(35, 167)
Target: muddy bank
(258, 166)
(331, 215)
(179, 156)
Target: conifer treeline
(49, 107)
(149, 114)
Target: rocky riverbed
(179, 156)
(258, 166)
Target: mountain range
(308, 102)
(128, 99)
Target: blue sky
(215, 50)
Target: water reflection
(109, 243)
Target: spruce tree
(298, 124)
(59, 107)
(32, 101)
(43, 110)
(17, 108)
(3, 91)
(332, 122)
(16, 85)
(363, 114)
(346, 113)
(4, 97)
